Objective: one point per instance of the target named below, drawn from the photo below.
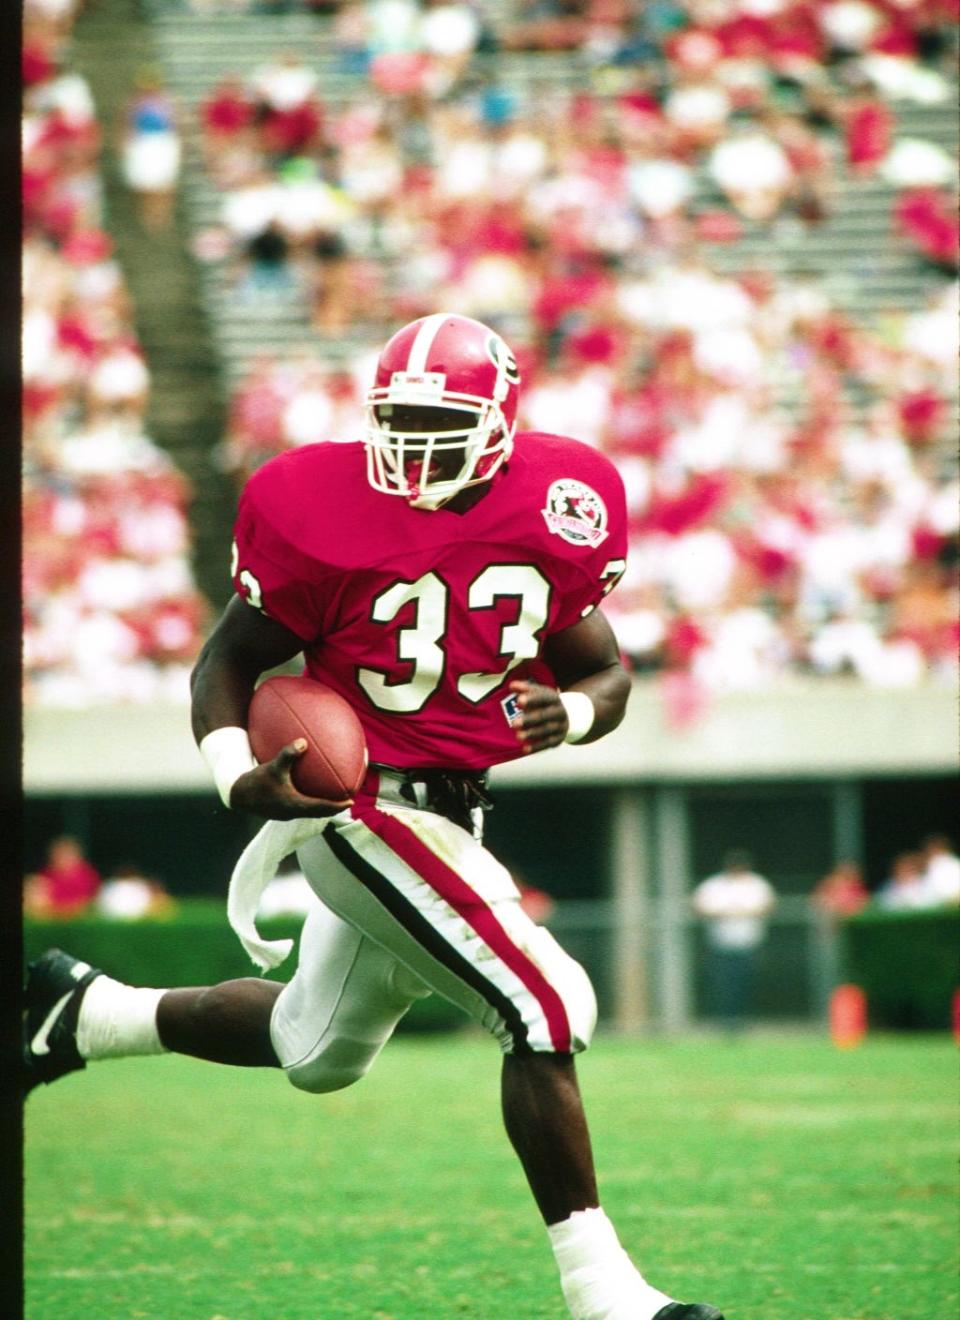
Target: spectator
(283, 83)
(546, 25)
(660, 185)
(537, 903)
(842, 891)
(266, 271)
(868, 125)
(698, 108)
(918, 163)
(449, 33)
(151, 151)
(349, 37)
(67, 883)
(225, 112)
(227, 126)
(941, 874)
(906, 890)
(754, 172)
(128, 895)
(928, 220)
(118, 384)
(734, 904)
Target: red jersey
(421, 619)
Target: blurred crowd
(791, 499)
(111, 608)
(441, 180)
(920, 880)
(735, 902)
(69, 885)
(817, 536)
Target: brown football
(286, 708)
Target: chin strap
(430, 502)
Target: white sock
(598, 1278)
(117, 1020)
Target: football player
(445, 576)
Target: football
(286, 708)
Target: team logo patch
(576, 512)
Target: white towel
(254, 870)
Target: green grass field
(776, 1176)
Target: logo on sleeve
(575, 512)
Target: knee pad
(573, 986)
(589, 1010)
(581, 1004)
(333, 1066)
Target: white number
(254, 592)
(613, 570)
(518, 640)
(418, 644)
(422, 643)
(611, 575)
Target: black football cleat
(688, 1311)
(56, 984)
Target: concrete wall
(820, 728)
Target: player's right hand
(268, 790)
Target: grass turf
(774, 1176)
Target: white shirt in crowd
(735, 905)
(942, 877)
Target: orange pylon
(848, 1016)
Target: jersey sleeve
(270, 571)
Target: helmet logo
(575, 512)
(502, 358)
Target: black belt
(455, 794)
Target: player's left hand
(542, 721)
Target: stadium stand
(722, 241)
(112, 612)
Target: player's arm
(585, 659)
(244, 645)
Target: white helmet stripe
(422, 340)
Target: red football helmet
(442, 411)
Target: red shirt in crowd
(928, 219)
(69, 885)
(869, 130)
(227, 111)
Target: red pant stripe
(455, 891)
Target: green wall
(555, 838)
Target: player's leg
(225, 1023)
(447, 909)
(325, 1027)
(547, 1126)
(341, 1006)
(75, 1013)
(545, 1120)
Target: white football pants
(412, 904)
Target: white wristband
(228, 754)
(580, 715)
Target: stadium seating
(112, 612)
(767, 365)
